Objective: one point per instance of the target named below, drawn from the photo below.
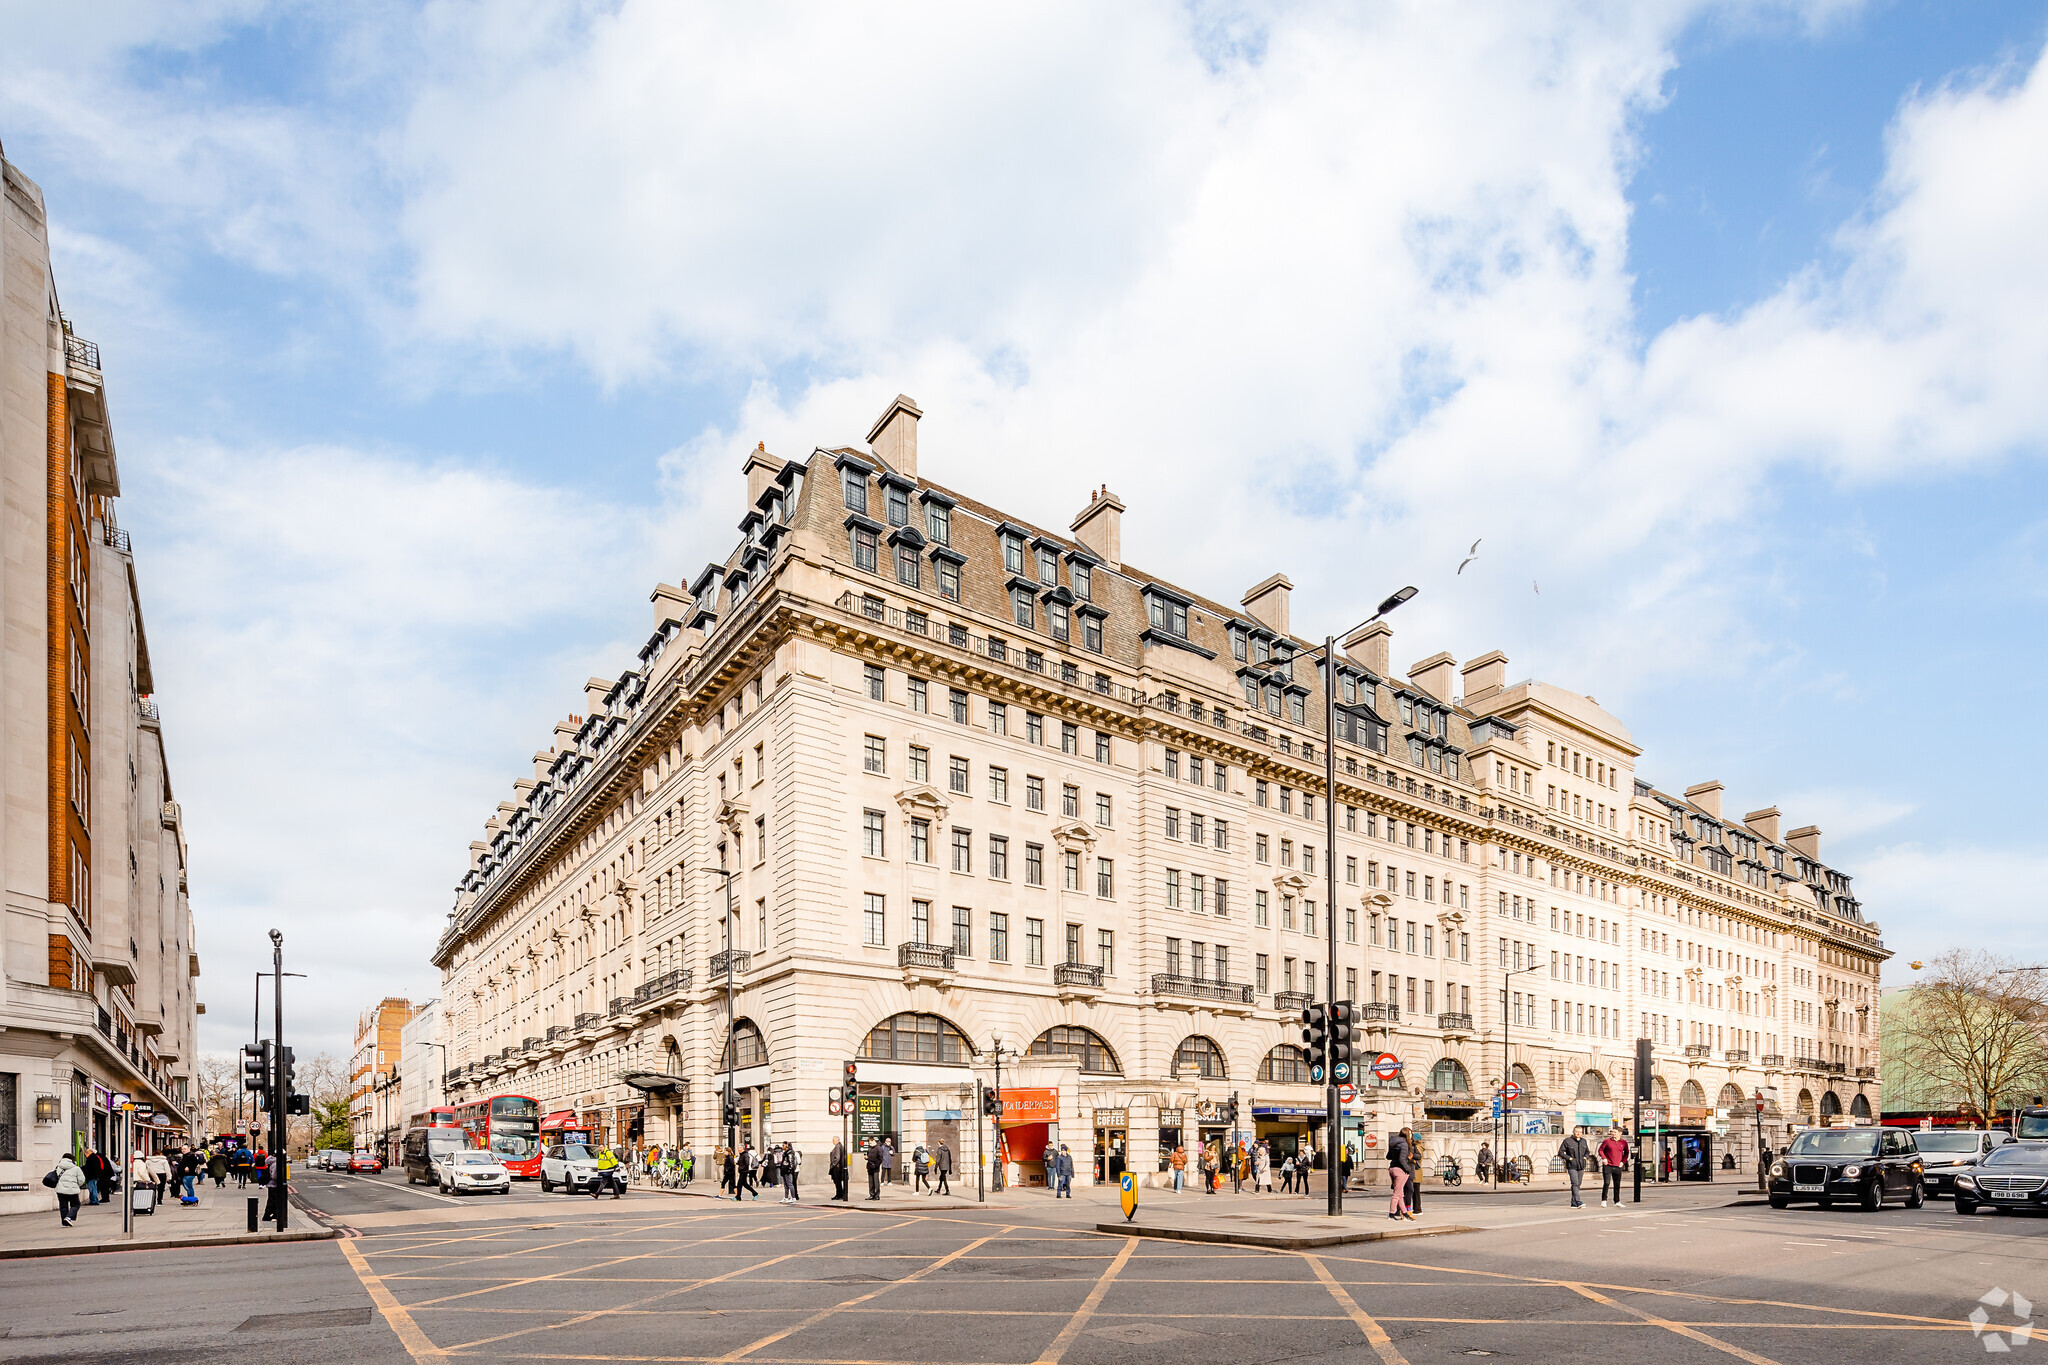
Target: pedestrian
(1065, 1163)
(1573, 1152)
(1287, 1174)
(217, 1168)
(1262, 1168)
(1052, 1169)
(749, 1167)
(727, 1173)
(1417, 1155)
(97, 1169)
(1179, 1162)
(160, 1174)
(274, 1179)
(1205, 1169)
(771, 1167)
(139, 1176)
(888, 1159)
(1613, 1156)
(70, 1184)
(875, 1170)
(792, 1161)
(1397, 1175)
(943, 1160)
(1482, 1165)
(244, 1159)
(189, 1168)
(686, 1160)
(1237, 1163)
(609, 1175)
(917, 1166)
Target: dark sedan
(1867, 1165)
(2013, 1177)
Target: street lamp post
(1507, 1073)
(728, 1102)
(1333, 1106)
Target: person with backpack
(97, 1171)
(919, 1167)
(69, 1182)
(942, 1161)
(792, 1162)
(610, 1175)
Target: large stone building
(98, 994)
(941, 786)
(373, 1078)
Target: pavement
(653, 1277)
(221, 1218)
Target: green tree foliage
(332, 1116)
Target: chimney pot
(760, 469)
(593, 693)
(1707, 796)
(1805, 841)
(671, 603)
(1100, 527)
(1268, 600)
(893, 437)
(1765, 823)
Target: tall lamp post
(1507, 1072)
(996, 1181)
(1333, 1107)
(728, 1104)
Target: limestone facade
(98, 996)
(957, 790)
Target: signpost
(1387, 1067)
(1347, 1092)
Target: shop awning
(655, 1082)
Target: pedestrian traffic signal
(298, 1104)
(256, 1068)
(1343, 1033)
(991, 1105)
(284, 1081)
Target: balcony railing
(668, 983)
(1866, 1073)
(86, 353)
(1454, 1023)
(145, 709)
(1838, 1068)
(1077, 974)
(558, 1031)
(115, 536)
(619, 1004)
(1774, 1061)
(927, 955)
(740, 959)
(105, 1022)
(1808, 1064)
(1698, 1051)
(1165, 984)
(1289, 1001)
(529, 1044)
(1379, 1012)
(455, 1077)
(1735, 1056)
(588, 1020)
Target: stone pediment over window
(1450, 920)
(1292, 883)
(922, 799)
(1074, 836)
(732, 816)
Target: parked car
(1948, 1152)
(474, 1172)
(1868, 1165)
(365, 1162)
(568, 1165)
(330, 1159)
(2014, 1177)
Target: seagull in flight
(1537, 586)
(1470, 555)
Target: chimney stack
(1101, 527)
(1370, 646)
(1267, 601)
(1433, 675)
(894, 436)
(1805, 841)
(593, 693)
(1765, 824)
(670, 604)
(542, 760)
(1487, 673)
(760, 469)
(1707, 796)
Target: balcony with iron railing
(1808, 1064)
(1866, 1073)
(620, 1004)
(1698, 1052)
(925, 956)
(1191, 988)
(739, 958)
(1454, 1023)
(558, 1031)
(1292, 1002)
(116, 537)
(587, 1020)
(86, 353)
(529, 1044)
(668, 983)
(1772, 1060)
(1735, 1056)
(1838, 1068)
(1077, 974)
(1379, 1012)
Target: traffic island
(1287, 1233)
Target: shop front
(1030, 1123)
(874, 1120)
(1288, 1129)
(1112, 1144)
(1170, 1121)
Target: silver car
(569, 1166)
(474, 1172)
(1949, 1152)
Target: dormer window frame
(1013, 539)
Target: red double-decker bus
(508, 1127)
(440, 1116)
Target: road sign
(1315, 1072)
(1343, 1070)
(1372, 1140)
(1386, 1066)
(1511, 1091)
(1347, 1092)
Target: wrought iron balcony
(668, 983)
(1287, 1002)
(1866, 1073)
(619, 1005)
(740, 959)
(1735, 1056)
(529, 1044)
(1838, 1068)
(454, 1077)
(1188, 987)
(588, 1020)
(1808, 1064)
(1379, 1012)
(929, 956)
(1698, 1052)
(558, 1031)
(86, 353)
(1454, 1023)
(1772, 1060)
(1077, 974)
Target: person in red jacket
(1613, 1156)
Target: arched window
(916, 1038)
(1830, 1104)
(744, 1048)
(1860, 1106)
(1732, 1099)
(1448, 1077)
(1524, 1077)
(1806, 1104)
(1592, 1086)
(1064, 1040)
(1198, 1056)
(1660, 1093)
(1285, 1064)
(1692, 1096)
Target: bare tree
(220, 1088)
(1971, 1033)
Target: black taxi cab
(1863, 1165)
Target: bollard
(252, 1214)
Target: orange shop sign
(1022, 1105)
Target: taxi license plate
(1806, 1189)
(2009, 1194)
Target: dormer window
(1240, 645)
(899, 506)
(1013, 554)
(1261, 650)
(1058, 619)
(907, 567)
(1407, 711)
(1168, 615)
(938, 523)
(856, 486)
(1084, 582)
(948, 574)
(1091, 633)
(1048, 565)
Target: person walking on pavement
(189, 1169)
(97, 1169)
(1179, 1162)
(1613, 1156)
(835, 1166)
(159, 1173)
(609, 1175)
(875, 1170)
(792, 1160)
(1482, 1165)
(1575, 1155)
(749, 1174)
(917, 1166)
(139, 1176)
(1066, 1172)
(1262, 1169)
(1418, 1154)
(943, 1160)
(217, 1168)
(727, 1177)
(70, 1185)
(243, 1160)
(1052, 1169)
(273, 1177)
(1237, 1170)
(1397, 1175)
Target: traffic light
(991, 1105)
(1315, 1037)
(833, 1103)
(732, 1110)
(1230, 1110)
(1343, 1034)
(852, 1079)
(1646, 1061)
(299, 1104)
(284, 1081)
(256, 1069)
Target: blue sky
(437, 335)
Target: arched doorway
(1690, 1096)
(1860, 1107)
(1592, 1086)
(1830, 1105)
(745, 1058)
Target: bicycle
(1449, 1173)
